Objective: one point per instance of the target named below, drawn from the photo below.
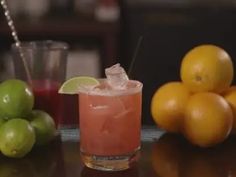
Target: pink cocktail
(110, 123)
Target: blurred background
(104, 32)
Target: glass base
(111, 163)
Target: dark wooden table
(162, 155)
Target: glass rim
(42, 45)
(138, 88)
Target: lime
(16, 99)
(44, 126)
(73, 85)
(17, 138)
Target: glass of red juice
(46, 61)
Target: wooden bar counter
(162, 155)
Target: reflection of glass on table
(88, 172)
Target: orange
(168, 105)
(208, 119)
(207, 68)
(230, 96)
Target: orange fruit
(168, 105)
(207, 68)
(208, 119)
(230, 96)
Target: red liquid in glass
(47, 98)
(63, 108)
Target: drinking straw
(137, 48)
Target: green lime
(16, 99)
(73, 85)
(44, 126)
(17, 138)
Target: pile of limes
(202, 106)
(21, 127)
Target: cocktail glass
(46, 61)
(110, 124)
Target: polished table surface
(162, 155)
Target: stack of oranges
(202, 106)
